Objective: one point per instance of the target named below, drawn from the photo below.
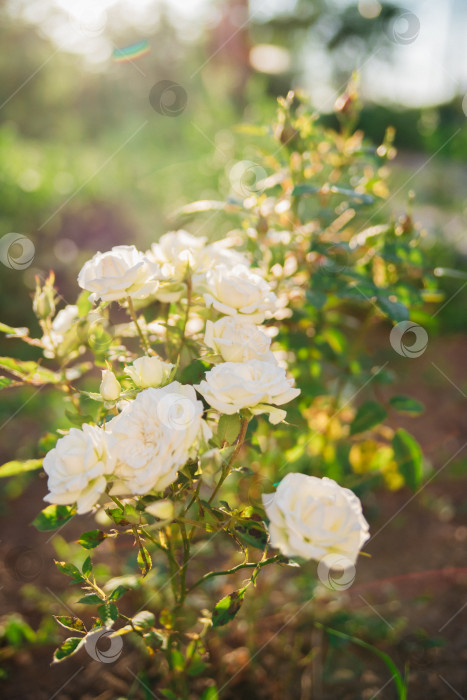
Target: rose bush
(170, 393)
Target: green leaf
(227, 608)
(5, 383)
(169, 694)
(91, 538)
(177, 660)
(210, 694)
(17, 332)
(304, 189)
(316, 298)
(144, 560)
(83, 304)
(144, 619)
(336, 340)
(405, 404)
(87, 566)
(15, 467)
(29, 371)
(197, 666)
(77, 418)
(131, 514)
(229, 428)
(393, 670)
(90, 599)
(251, 532)
(117, 515)
(153, 640)
(70, 570)
(409, 458)
(69, 647)
(108, 613)
(71, 623)
(53, 517)
(395, 310)
(118, 592)
(368, 415)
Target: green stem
(144, 340)
(186, 558)
(233, 456)
(187, 313)
(247, 565)
(116, 501)
(174, 567)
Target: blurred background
(97, 147)
(115, 113)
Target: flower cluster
(160, 423)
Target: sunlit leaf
(227, 608)
(409, 458)
(69, 647)
(13, 468)
(53, 517)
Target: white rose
(149, 371)
(176, 252)
(110, 388)
(61, 324)
(312, 518)
(77, 467)
(222, 253)
(121, 272)
(154, 436)
(238, 291)
(237, 341)
(255, 385)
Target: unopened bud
(110, 388)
